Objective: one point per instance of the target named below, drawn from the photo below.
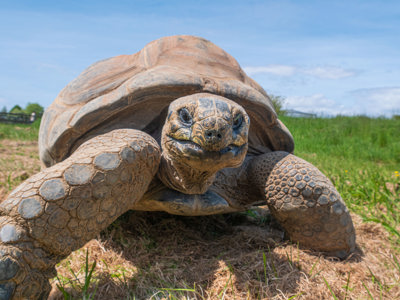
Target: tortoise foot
(305, 203)
(24, 271)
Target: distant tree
(4, 109)
(17, 110)
(33, 107)
(278, 102)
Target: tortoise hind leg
(305, 202)
(61, 208)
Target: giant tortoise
(177, 127)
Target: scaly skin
(61, 208)
(304, 202)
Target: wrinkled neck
(184, 178)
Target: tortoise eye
(237, 121)
(185, 116)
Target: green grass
(77, 284)
(21, 132)
(347, 142)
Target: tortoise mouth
(196, 151)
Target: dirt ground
(238, 256)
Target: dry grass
(238, 256)
(18, 161)
(152, 255)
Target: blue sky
(327, 57)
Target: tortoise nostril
(213, 135)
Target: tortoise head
(204, 133)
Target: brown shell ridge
(89, 84)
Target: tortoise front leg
(61, 208)
(304, 202)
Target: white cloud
(281, 70)
(312, 104)
(326, 72)
(374, 102)
(329, 72)
(378, 101)
(317, 104)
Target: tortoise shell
(132, 91)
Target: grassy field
(20, 132)
(18, 154)
(243, 256)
